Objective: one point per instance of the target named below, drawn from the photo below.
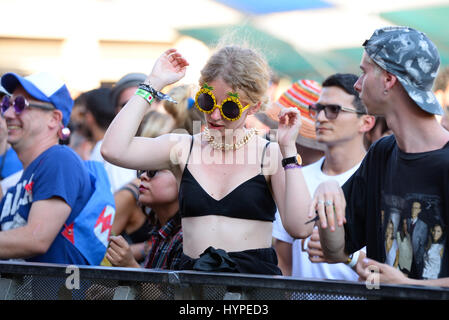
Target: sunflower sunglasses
(231, 108)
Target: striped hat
(300, 95)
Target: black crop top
(250, 200)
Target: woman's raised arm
(120, 146)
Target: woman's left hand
(288, 128)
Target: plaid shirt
(166, 245)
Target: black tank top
(250, 200)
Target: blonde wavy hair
(183, 115)
(155, 124)
(243, 69)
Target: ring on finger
(320, 201)
(328, 203)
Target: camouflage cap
(412, 58)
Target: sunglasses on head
(331, 111)
(20, 103)
(150, 173)
(231, 109)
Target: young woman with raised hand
(230, 179)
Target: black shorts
(254, 261)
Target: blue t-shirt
(11, 163)
(57, 172)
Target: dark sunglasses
(231, 108)
(20, 103)
(150, 173)
(331, 111)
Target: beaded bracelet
(292, 166)
(145, 94)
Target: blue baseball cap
(43, 87)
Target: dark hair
(430, 236)
(346, 81)
(99, 103)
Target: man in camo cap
(412, 58)
(399, 66)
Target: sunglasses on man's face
(231, 108)
(150, 173)
(331, 111)
(20, 103)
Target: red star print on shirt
(29, 187)
(68, 233)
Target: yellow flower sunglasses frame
(234, 97)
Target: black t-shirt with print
(397, 205)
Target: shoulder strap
(190, 151)
(263, 154)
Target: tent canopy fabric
(432, 21)
(269, 6)
(286, 31)
(281, 56)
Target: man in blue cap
(38, 214)
(399, 66)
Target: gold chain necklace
(226, 146)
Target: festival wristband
(145, 94)
(161, 96)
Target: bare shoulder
(271, 155)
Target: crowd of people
(326, 181)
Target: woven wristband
(292, 166)
(145, 94)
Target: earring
(64, 133)
(385, 91)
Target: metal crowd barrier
(38, 281)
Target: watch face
(298, 159)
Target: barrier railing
(37, 281)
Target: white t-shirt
(118, 176)
(301, 265)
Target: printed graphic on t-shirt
(20, 195)
(414, 234)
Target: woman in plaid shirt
(159, 191)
